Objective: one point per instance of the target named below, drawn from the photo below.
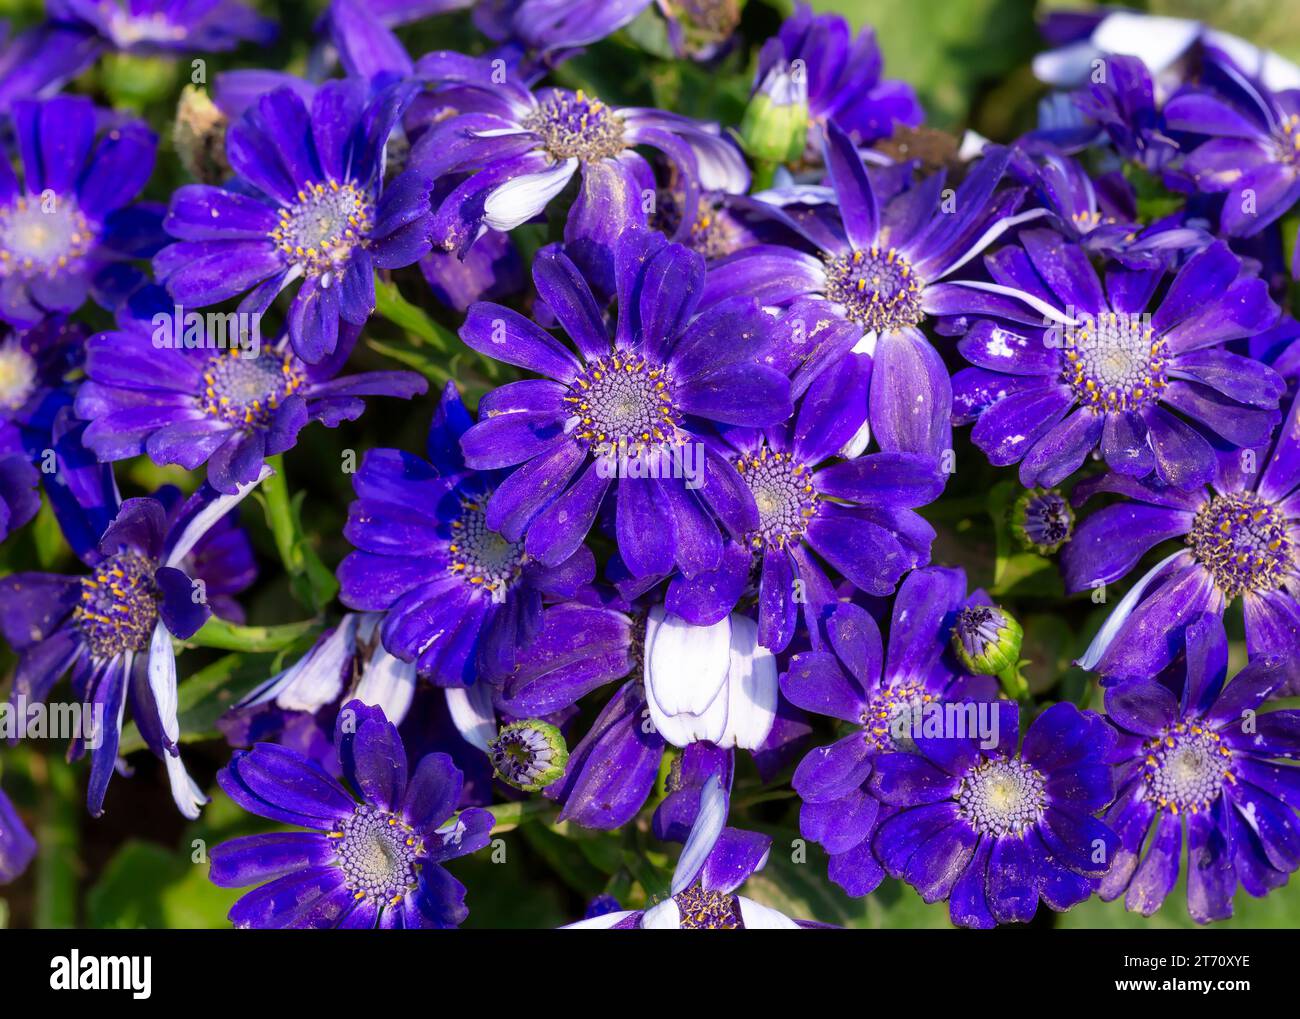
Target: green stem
(217, 633)
(58, 835)
(1014, 683)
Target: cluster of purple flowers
(693, 521)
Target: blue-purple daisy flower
(876, 270)
(877, 692)
(993, 829)
(461, 598)
(1199, 760)
(373, 856)
(188, 395)
(113, 627)
(69, 218)
(626, 415)
(166, 26)
(309, 207)
(520, 149)
(715, 861)
(1108, 368)
(1240, 539)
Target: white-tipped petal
(751, 688)
(162, 681)
(665, 916)
(686, 666)
(209, 515)
(757, 917)
(519, 200)
(387, 683)
(186, 793)
(315, 679)
(704, 834)
(1120, 613)
(471, 712)
(1156, 41)
(601, 923)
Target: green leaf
(509, 816)
(311, 581)
(390, 303)
(226, 636)
(58, 835)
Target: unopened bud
(529, 755)
(986, 640)
(775, 125)
(199, 136)
(1042, 520)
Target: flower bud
(528, 755)
(199, 136)
(1042, 520)
(986, 640)
(775, 125)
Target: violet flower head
(520, 149)
(1240, 540)
(1107, 368)
(163, 384)
(309, 208)
(69, 217)
(879, 270)
(843, 76)
(627, 414)
(164, 26)
(461, 598)
(373, 854)
(113, 628)
(1203, 760)
(879, 692)
(715, 861)
(993, 829)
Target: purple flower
(69, 218)
(1107, 368)
(17, 847)
(550, 28)
(843, 76)
(1239, 541)
(856, 515)
(1194, 755)
(878, 695)
(627, 412)
(41, 60)
(113, 627)
(188, 395)
(19, 499)
(1253, 155)
(1122, 100)
(461, 598)
(372, 857)
(154, 26)
(877, 273)
(521, 149)
(715, 861)
(994, 831)
(309, 207)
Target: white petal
(315, 679)
(209, 515)
(798, 194)
(663, 917)
(185, 791)
(866, 345)
(972, 145)
(1067, 66)
(720, 165)
(1276, 72)
(519, 200)
(1120, 613)
(471, 712)
(751, 688)
(681, 730)
(686, 666)
(758, 917)
(387, 683)
(603, 922)
(1156, 41)
(989, 236)
(857, 445)
(704, 834)
(162, 680)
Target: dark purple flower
(625, 412)
(993, 830)
(856, 515)
(1240, 540)
(549, 28)
(372, 857)
(1122, 99)
(715, 861)
(521, 149)
(41, 60)
(309, 207)
(113, 627)
(19, 499)
(166, 26)
(188, 395)
(843, 76)
(69, 218)
(878, 695)
(17, 847)
(1253, 155)
(879, 270)
(1196, 757)
(1090, 368)
(461, 598)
